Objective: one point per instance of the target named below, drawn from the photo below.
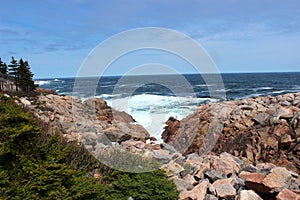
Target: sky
(56, 36)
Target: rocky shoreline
(260, 129)
(254, 156)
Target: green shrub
(33, 170)
(151, 185)
(36, 165)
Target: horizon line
(187, 73)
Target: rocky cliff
(260, 129)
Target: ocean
(152, 99)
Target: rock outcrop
(91, 121)
(259, 129)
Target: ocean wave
(296, 87)
(108, 96)
(278, 92)
(225, 90)
(262, 88)
(150, 101)
(42, 82)
(152, 110)
(204, 85)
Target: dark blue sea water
(152, 99)
(237, 86)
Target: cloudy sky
(55, 36)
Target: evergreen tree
(25, 77)
(3, 69)
(13, 68)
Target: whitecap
(42, 82)
(152, 110)
(278, 92)
(108, 97)
(262, 88)
(204, 85)
(223, 90)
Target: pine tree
(3, 69)
(13, 68)
(25, 77)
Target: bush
(36, 165)
(33, 170)
(152, 185)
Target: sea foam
(152, 111)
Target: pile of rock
(225, 176)
(259, 129)
(90, 121)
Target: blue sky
(55, 36)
